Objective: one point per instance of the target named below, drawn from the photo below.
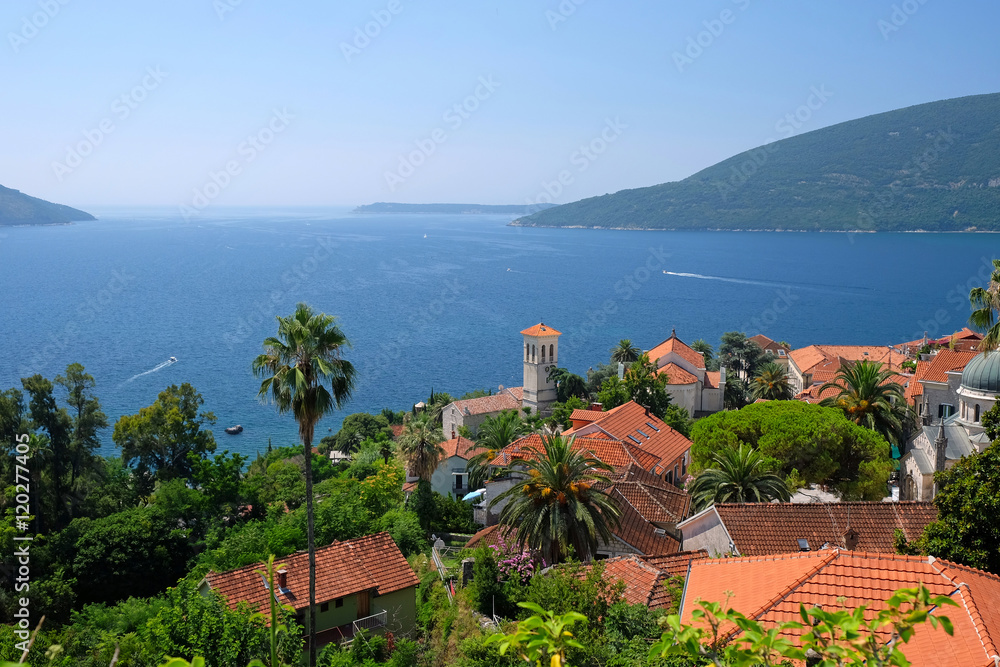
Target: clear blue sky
(556, 83)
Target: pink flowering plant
(516, 562)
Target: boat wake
(766, 283)
(158, 367)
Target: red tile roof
(915, 389)
(653, 498)
(676, 565)
(713, 379)
(585, 415)
(944, 361)
(508, 399)
(646, 577)
(826, 360)
(345, 568)
(815, 393)
(773, 588)
(676, 374)
(541, 329)
(613, 452)
(770, 528)
(646, 538)
(462, 447)
(629, 423)
(678, 347)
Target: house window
(684, 466)
(325, 606)
(946, 410)
(459, 482)
(339, 602)
(675, 474)
(670, 477)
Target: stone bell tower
(541, 355)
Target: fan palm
(625, 352)
(738, 476)
(495, 433)
(771, 383)
(986, 310)
(420, 442)
(296, 367)
(557, 509)
(869, 399)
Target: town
(756, 476)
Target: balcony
(369, 622)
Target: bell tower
(541, 354)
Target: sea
(434, 302)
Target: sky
(250, 102)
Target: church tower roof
(541, 329)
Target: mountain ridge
(17, 208)
(928, 167)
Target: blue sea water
(434, 301)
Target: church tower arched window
(977, 413)
(543, 354)
(532, 353)
(552, 352)
(527, 351)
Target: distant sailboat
(173, 360)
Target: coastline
(797, 231)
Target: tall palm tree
(625, 352)
(771, 383)
(297, 366)
(495, 433)
(420, 443)
(557, 508)
(869, 399)
(738, 476)
(986, 310)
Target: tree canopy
(811, 443)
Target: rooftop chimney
(851, 539)
(283, 580)
(596, 407)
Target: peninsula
(17, 208)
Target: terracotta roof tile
(630, 423)
(676, 565)
(773, 588)
(654, 499)
(713, 379)
(508, 399)
(915, 389)
(677, 346)
(772, 528)
(825, 360)
(615, 453)
(945, 361)
(676, 374)
(643, 536)
(585, 415)
(345, 568)
(462, 447)
(541, 329)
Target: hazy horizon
(250, 104)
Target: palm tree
(295, 367)
(738, 476)
(771, 383)
(420, 443)
(986, 310)
(495, 433)
(869, 399)
(557, 509)
(734, 393)
(625, 352)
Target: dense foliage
(805, 443)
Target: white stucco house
(691, 386)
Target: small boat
(425, 235)
(173, 360)
(233, 430)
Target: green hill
(932, 167)
(17, 208)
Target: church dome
(983, 373)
